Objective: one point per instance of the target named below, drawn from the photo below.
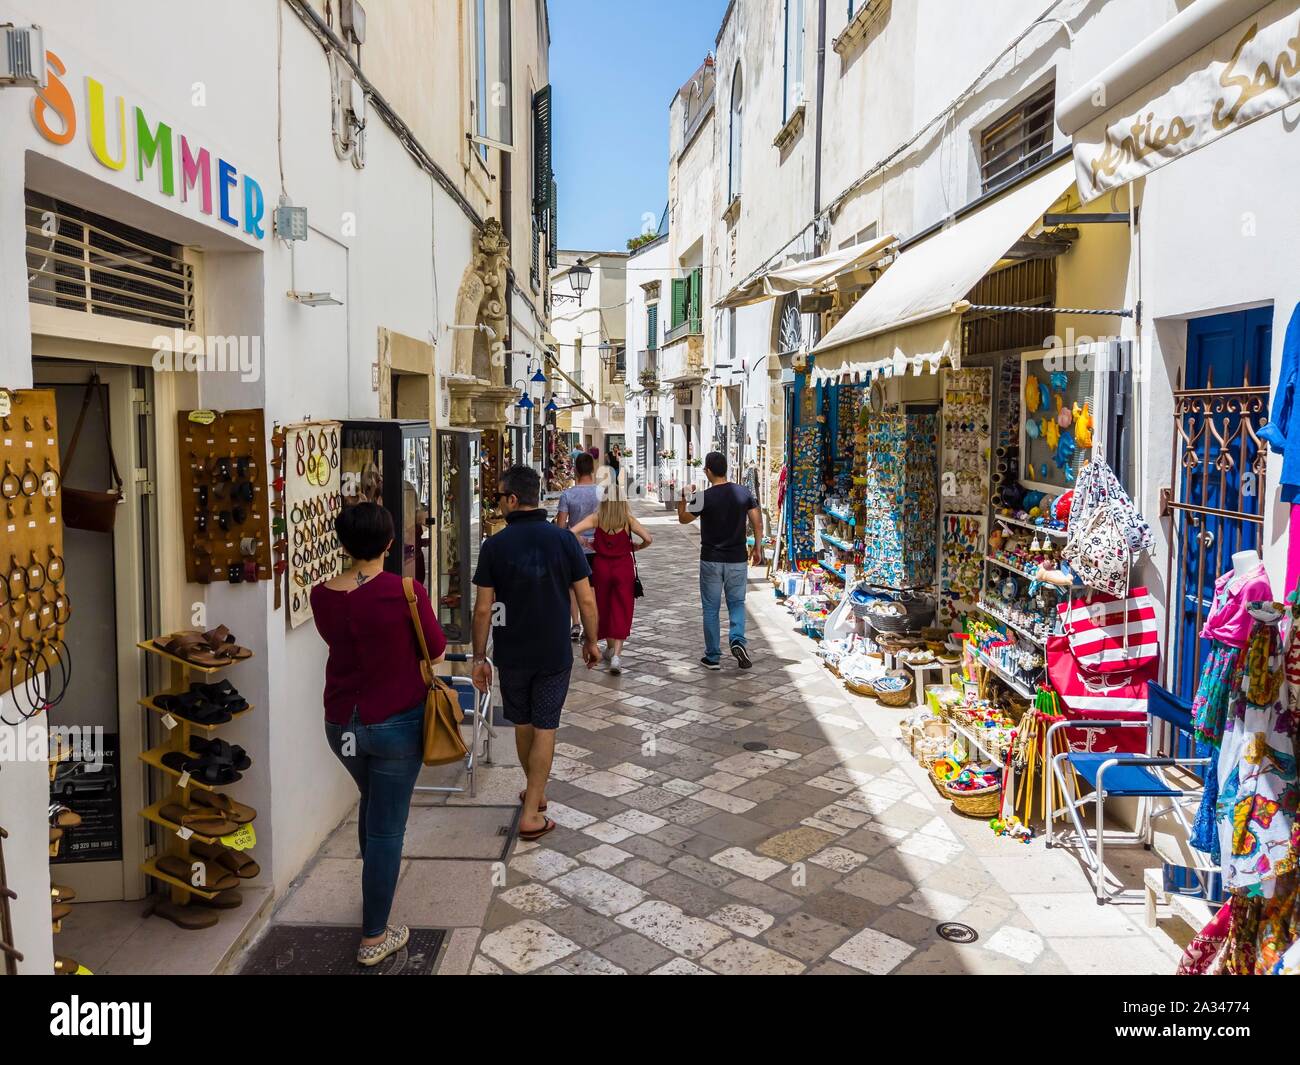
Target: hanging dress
(1257, 767)
(612, 576)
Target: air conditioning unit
(352, 17)
(22, 56)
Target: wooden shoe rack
(180, 733)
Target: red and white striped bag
(1111, 635)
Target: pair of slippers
(202, 875)
(529, 835)
(214, 816)
(213, 762)
(204, 704)
(212, 649)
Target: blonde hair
(612, 515)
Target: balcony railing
(692, 326)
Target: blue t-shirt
(579, 502)
(530, 566)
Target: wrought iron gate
(1217, 506)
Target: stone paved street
(679, 851)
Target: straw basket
(859, 688)
(985, 802)
(899, 697)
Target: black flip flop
(529, 835)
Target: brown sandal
(215, 877)
(529, 835)
(240, 863)
(225, 806)
(541, 809)
(190, 647)
(222, 642)
(204, 822)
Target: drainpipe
(821, 97)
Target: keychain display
(313, 499)
(963, 541)
(35, 663)
(225, 502)
(900, 498)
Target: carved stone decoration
(482, 300)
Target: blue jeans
(717, 578)
(384, 760)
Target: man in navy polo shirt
(524, 576)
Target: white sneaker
(616, 665)
(607, 654)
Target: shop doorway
(1218, 470)
(111, 579)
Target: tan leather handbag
(442, 715)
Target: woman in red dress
(613, 572)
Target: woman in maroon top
(374, 705)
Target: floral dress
(1257, 767)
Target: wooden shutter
(652, 326)
(553, 228)
(697, 284)
(679, 301)
(541, 149)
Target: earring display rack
(313, 499)
(225, 508)
(34, 604)
(964, 485)
(180, 839)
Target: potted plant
(649, 378)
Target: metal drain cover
(755, 745)
(330, 950)
(957, 933)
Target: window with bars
(81, 261)
(1017, 140)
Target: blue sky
(615, 65)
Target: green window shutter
(652, 326)
(679, 301)
(542, 168)
(697, 284)
(553, 228)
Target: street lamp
(579, 280)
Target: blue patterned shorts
(533, 696)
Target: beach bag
(442, 715)
(1099, 551)
(1086, 695)
(1108, 634)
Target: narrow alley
(759, 822)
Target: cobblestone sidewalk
(681, 850)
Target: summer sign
(120, 137)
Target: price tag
(242, 839)
(6, 404)
(184, 833)
(169, 721)
(83, 971)
(184, 782)
(202, 417)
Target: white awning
(911, 317)
(808, 274)
(1212, 68)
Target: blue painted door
(1215, 454)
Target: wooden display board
(313, 498)
(220, 452)
(34, 604)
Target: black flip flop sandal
(529, 835)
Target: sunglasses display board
(313, 499)
(225, 501)
(35, 664)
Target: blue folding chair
(1137, 776)
(477, 709)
